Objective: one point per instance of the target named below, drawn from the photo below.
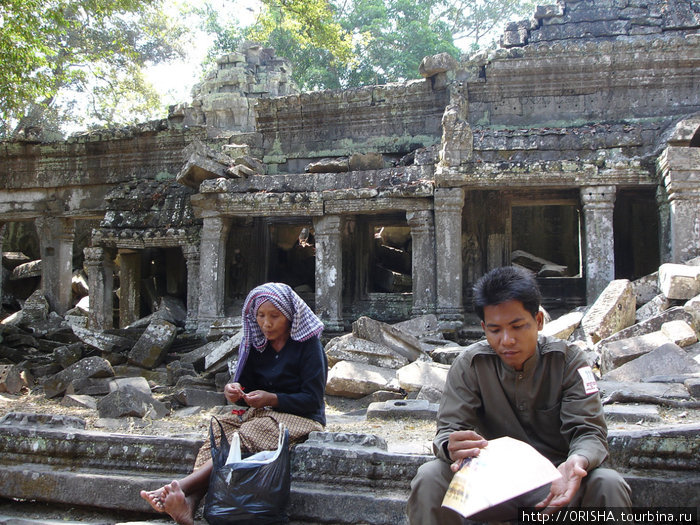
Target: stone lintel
(378, 205)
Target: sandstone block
(198, 397)
(446, 354)
(418, 374)
(151, 348)
(646, 288)
(102, 340)
(668, 359)
(365, 161)
(632, 413)
(351, 348)
(79, 401)
(89, 386)
(355, 380)
(69, 354)
(223, 351)
(405, 408)
(130, 402)
(10, 379)
(403, 343)
(563, 326)
(653, 307)
(89, 367)
(680, 333)
(434, 64)
(137, 383)
(421, 326)
(26, 270)
(339, 165)
(650, 325)
(679, 281)
(613, 310)
(617, 353)
(12, 260)
(693, 386)
(430, 393)
(693, 308)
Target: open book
(506, 468)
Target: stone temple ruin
(573, 150)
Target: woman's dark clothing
(297, 374)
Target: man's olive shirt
(545, 404)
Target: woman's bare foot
(177, 504)
(155, 498)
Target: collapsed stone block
(102, 340)
(650, 325)
(130, 401)
(403, 343)
(418, 374)
(355, 380)
(632, 413)
(613, 310)
(397, 409)
(350, 348)
(617, 353)
(152, 347)
(563, 326)
(646, 288)
(89, 367)
(222, 352)
(668, 359)
(79, 401)
(679, 281)
(680, 333)
(693, 308)
(10, 379)
(434, 64)
(199, 397)
(653, 307)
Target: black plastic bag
(252, 491)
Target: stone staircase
(337, 478)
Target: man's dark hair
(506, 284)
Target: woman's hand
(260, 398)
(233, 392)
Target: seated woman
(282, 380)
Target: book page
(506, 468)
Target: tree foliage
(346, 43)
(97, 48)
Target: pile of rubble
(641, 337)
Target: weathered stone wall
(392, 119)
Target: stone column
(679, 168)
(129, 287)
(56, 236)
(100, 273)
(422, 226)
(448, 248)
(599, 241)
(191, 253)
(329, 271)
(212, 270)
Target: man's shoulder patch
(589, 383)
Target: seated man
(533, 388)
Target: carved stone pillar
(129, 287)
(448, 248)
(599, 241)
(329, 271)
(100, 273)
(191, 254)
(56, 236)
(2, 238)
(212, 270)
(679, 168)
(422, 226)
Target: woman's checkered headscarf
(305, 324)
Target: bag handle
(224, 444)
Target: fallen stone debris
(640, 336)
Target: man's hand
(572, 471)
(260, 398)
(464, 444)
(233, 392)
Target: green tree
(347, 43)
(53, 51)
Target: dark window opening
(636, 227)
(546, 239)
(389, 258)
(695, 141)
(163, 274)
(292, 256)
